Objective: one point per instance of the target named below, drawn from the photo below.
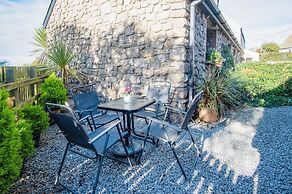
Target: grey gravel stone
(250, 153)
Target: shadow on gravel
(251, 154)
(274, 142)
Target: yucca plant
(60, 56)
(55, 56)
(221, 92)
(40, 41)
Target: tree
(270, 47)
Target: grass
(266, 84)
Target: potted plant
(127, 93)
(214, 57)
(220, 91)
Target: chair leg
(143, 145)
(124, 145)
(62, 163)
(98, 173)
(188, 130)
(181, 168)
(146, 121)
(193, 141)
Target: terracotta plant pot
(208, 115)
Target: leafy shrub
(27, 147)
(275, 56)
(266, 84)
(36, 117)
(52, 90)
(10, 144)
(228, 58)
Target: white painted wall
(251, 55)
(286, 50)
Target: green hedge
(16, 137)
(52, 90)
(266, 84)
(37, 117)
(275, 56)
(10, 144)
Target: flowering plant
(127, 89)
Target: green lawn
(266, 84)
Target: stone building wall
(120, 41)
(200, 46)
(223, 40)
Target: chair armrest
(90, 111)
(164, 123)
(175, 110)
(84, 119)
(114, 124)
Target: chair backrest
(191, 110)
(69, 124)
(159, 91)
(86, 100)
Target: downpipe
(192, 46)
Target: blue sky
(261, 20)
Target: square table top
(120, 105)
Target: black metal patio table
(127, 108)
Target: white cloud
(262, 20)
(18, 21)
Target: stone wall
(120, 41)
(200, 46)
(223, 40)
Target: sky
(18, 20)
(262, 21)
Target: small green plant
(214, 57)
(25, 129)
(53, 91)
(10, 144)
(36, 117)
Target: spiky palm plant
(40, 41)
(221, 92)
(55, 56)
(60, 56)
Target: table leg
(132, 146)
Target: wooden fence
(22, 82)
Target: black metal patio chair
(160, 92)
(86, 104)
(170, 133)
(99, 141)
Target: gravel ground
(250, 153)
